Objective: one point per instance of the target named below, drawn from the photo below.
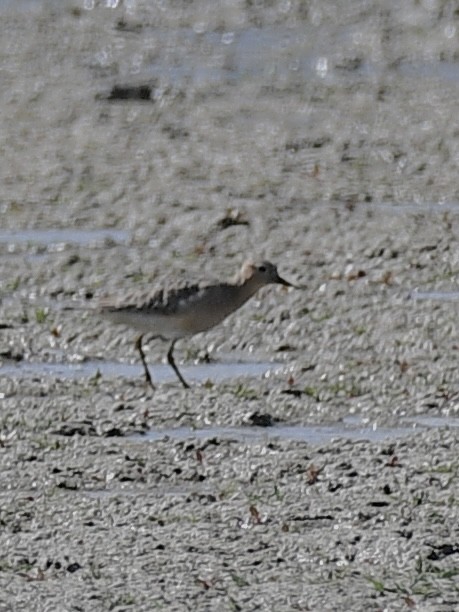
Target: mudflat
(146, 144)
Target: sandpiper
(188, 310)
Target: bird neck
(247, 288)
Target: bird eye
(262, 268)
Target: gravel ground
(145, 143)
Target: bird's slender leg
(170, 359)
(138, 346)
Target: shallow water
(53, 237)
(352, 427)
(444, 296)
(398, 208)
(229, 56)
(420, 420)
(311, 434)
(279, 52)
(160, 372)
(425, 420)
